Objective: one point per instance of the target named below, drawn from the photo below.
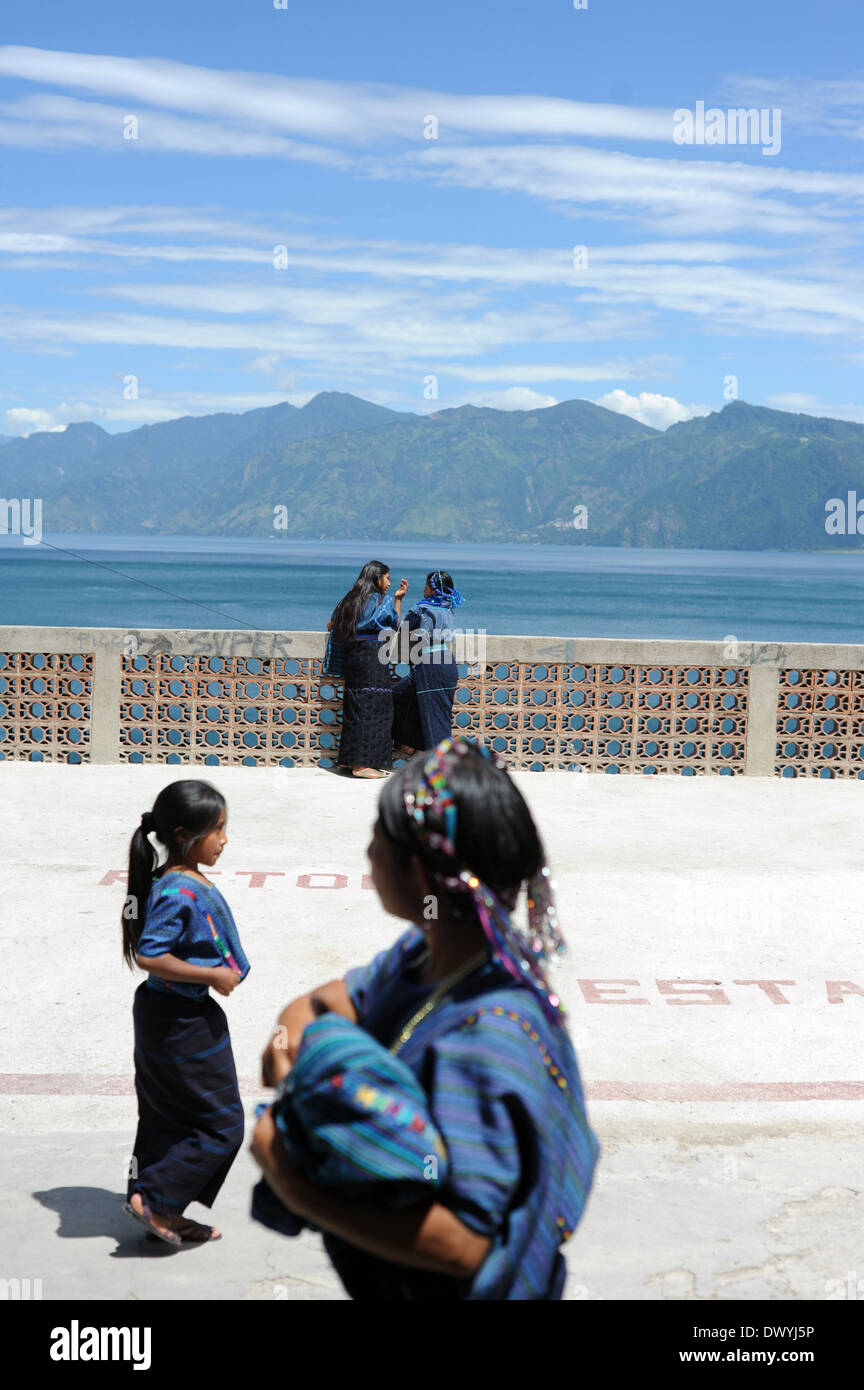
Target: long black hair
(193, 807)
(349, 610)
(496, 837)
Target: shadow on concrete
(85, 1212)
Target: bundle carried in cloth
(353, 1118)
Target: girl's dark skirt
(367, 709)
(190, 1117)
(423, 704)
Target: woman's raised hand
(402, 590)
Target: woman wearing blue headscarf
(423, 700)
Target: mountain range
(339, 467)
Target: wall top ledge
(525, 648)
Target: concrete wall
(258, 698)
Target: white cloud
(346, 111)
(22, 420)
(111, 408)
(327, 328)
(804, 403)
(514, 398)
(792, 400)
(57, 121)
(649, 408)
(557, 371)
(264, 115)
(825, 105)
(271, 364)
(820, 295)
(679, 195)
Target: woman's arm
(428, 1236)
(294, 1019)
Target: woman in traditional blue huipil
(423, 700)
(356, 653)
(463, 1000)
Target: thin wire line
(158, 587)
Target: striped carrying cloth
(503, 1088)
(353, 1118)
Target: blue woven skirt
(423, 704)
(190, 1116)
(367, 708)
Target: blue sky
(140, 279)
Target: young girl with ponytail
(179, 929)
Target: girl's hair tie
(148, 822)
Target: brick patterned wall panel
(655, 719)
(45, 706)
(629, 718)
(820, 724)
(229, 711)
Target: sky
(219, 206)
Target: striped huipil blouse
(504, 1091)
(191, 920)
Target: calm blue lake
(509, 588)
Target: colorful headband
(522, 953)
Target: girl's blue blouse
(183, 916)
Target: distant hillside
(468, 473)
(94, 481)
(743, 478)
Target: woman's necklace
(436, 997)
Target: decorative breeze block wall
(201, 697)
(820, 724)
(281, 711)
(45, 706)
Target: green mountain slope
(467, 473)
(94, 481)
(743, 478)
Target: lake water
(587, 592)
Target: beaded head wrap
(441, 597)
(432, 814)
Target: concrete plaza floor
(731, 1117)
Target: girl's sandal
(368, 773)
(145, 1217)
(195, 1231)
